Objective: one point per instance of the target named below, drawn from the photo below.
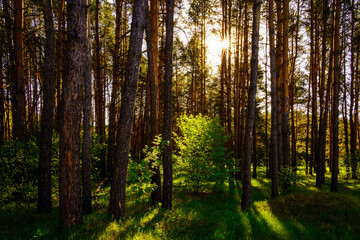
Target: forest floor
(305, 213)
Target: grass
(306, 213)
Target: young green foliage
(140, 173)
(201, 156)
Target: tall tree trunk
(279, 81)
(285, 72)
(76, 56)
(19, 116)
(352, 97)
(167, 160)
(357, 92)
(115, 89)
(9, 71)
(99, 92)
(237, 90)
(323, 118)
(154, 92)
(254, 161)
(86, 171)
(335, 143)
(344, 108)
(154, 15)
(314, 133)
(2, 98)
(118, 183)
(228, 81)
(59, 61)
(246, 197)
(156, 177)
(223, 65)
(292, 93)
(245, 80)
(44, 181)
(274, 153)
(267, 161)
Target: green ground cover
(305, 213)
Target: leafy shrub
(202, 157)
(95, 152)
(287, 180)
(19, 170)
(140, 173)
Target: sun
(224, 44)
(215, 45)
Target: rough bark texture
(228, 83)
(154, 15)
(118, 183)
(115, 89)
(10, 72)
(353, 129)
(246, 197)
(71, 106)
(44, 181)
(237, 96)
(273, 148)
(100, 129)
(59, 61)
(2, 98)
(335, 117)
(323, 114)
(285, 72)
(223, 66)
(86, 171)
(19, 113)
(314, 133)
(156, 177)
(167, 160)
(155, 94)
(279, 80)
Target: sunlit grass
(306, 213)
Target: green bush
(287, 180)
(95, 153)
(201, 156)
(19, 170)
(140, 173)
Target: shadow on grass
(309, 213)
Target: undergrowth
(306, 213)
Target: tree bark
(246, 197)
(19, 114)
(70, 206)
(279, 81)
(59, 61)
(292, 93)
(323, 115)
(99, 93)
(314, 132)
(86, 170)
(228, 83)
(44, 181)
(115, 89)
(167, 160)
(118, 183)
(9, 71)
(353, 129)
(335, 130)
(285, 72)
(2, 98)
(274, 134)
(156, 177)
